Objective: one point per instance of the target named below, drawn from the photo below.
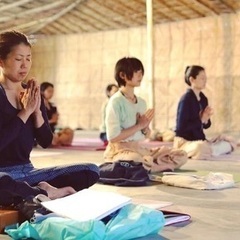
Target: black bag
(27, 207)
(9, 199)
(30, 206)
(123, 173)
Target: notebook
(87, 204)
(172, 217)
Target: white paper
(87, 204)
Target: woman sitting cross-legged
(23, 121)
(127, 123)
(193, 116)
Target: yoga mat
(84, 144)
(153, 144)
(87, 142)
(35, 154)
(97, 143)
(81, 148)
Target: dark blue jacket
(189, 125)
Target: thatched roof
(51, 17)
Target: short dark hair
(127, 65)
(192, 71)
(10, 39)
(45, 85)
(109, 88)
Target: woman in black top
(63, 136)
(23, 121)
(193, 116)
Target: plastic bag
(130, 222)
(134, 221)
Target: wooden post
(149, 67)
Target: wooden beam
(25, 25)
(150, 80)
(207, 6)
(35, 24)
(97, 13)
(228, 6)
(13, 5)
(188, 5)
(171, 7)
(35, 10)
(122, 14)
(69, 24)
(77, 22)
(60, 14)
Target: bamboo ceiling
(52, 17)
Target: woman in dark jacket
(193, 116)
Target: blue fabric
(132, 221)
(31, 175)
(20, 179)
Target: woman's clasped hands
(30, 98)
(206, 114)
(144, 120)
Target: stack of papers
(87, 204)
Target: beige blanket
(205, 149)
(213, 180)
(155, 160)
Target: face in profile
(136, 79)
(200, 81)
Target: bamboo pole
(150, 68)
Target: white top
(122, 114)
